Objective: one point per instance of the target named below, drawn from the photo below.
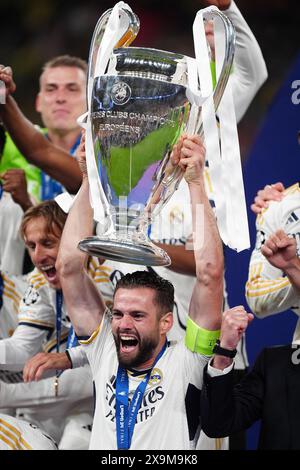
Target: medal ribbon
(125, 413)
(72, 339)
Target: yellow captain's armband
(199, 340)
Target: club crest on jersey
(155, 377)
(30, 296)
(293, 218)
(176, 215)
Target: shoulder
(36, 279)
(13, 288)
(280, 209)
(99, 272)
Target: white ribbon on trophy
(224, 164)
(236, 210)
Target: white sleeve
(213, 372)
(78, 356)
(101, 340)
(250, 71)
(36, 307)
(21, 346)
(72, 386)
(268, 290)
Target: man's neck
(64, 140)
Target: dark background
(34, 31)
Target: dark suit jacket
(270, 392)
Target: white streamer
(224, 168)
(211, 135)
(116, 26)
(232, 178)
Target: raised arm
(249, 68)
(182, 260)
(84, 303)
(207, 298)
(33, 145)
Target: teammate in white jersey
(269, 290)
(16, 434)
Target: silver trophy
(138, 110)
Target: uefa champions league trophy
(138, 109)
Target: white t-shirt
(169, 414)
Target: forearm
(25, 203)
(250, 70)
(37, 149)
(293, 273)
(79, 225)
(221, 362)
(267, 290)
(84, 304)
(207, 300)
(182, 259)
(73, 386)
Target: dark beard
(146, 349)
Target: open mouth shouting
(49, 272)
(128, 343)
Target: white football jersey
(16, 434)
(169, 415)
(268, 290)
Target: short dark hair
(164, 289)
(54, 216)
(66, 61)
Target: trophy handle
(116, 27)
(229, 34)
(195, 125)
(128, 36)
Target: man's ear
(166, 323)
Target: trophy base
(146, 254)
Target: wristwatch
(222, 351)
